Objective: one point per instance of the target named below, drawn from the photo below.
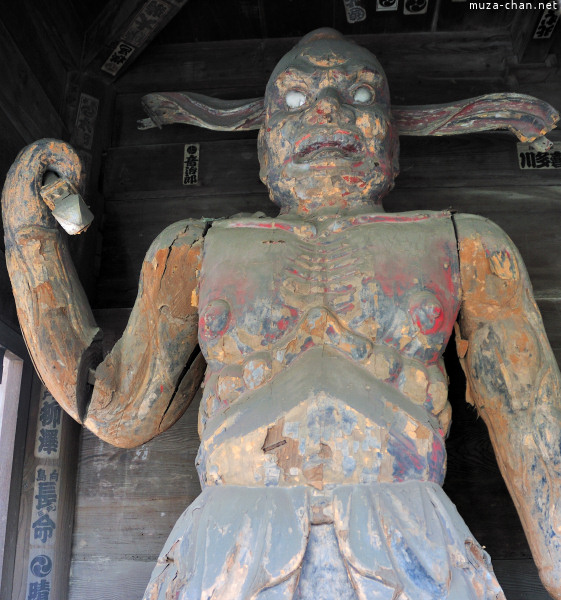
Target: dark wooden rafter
(122, 31)
(262, 19)
(526, 47)
(408, 57)
(435, 16)
(23, 98)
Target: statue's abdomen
(324, 421)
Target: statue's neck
(312, 209)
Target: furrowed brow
(292, 78)
(369, 75)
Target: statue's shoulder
(485, 248)
(472, 227)
(241, 219)
(187, 232)
(260, 222)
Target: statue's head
(327, 141)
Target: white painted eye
(295, 99)
(363, 95)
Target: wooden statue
(325, 397)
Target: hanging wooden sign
(529, 158)
(547, 23)
(415, 7)
(118, 58)
(386, 5)
(39, 576)
(355, 11)
(191, 164)
(44, 515)
(84, 128)
(146, 22)
(45, 503)
(47, 440)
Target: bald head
(327, 48)
(328, 142)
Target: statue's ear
(525, 116)
(203, 111)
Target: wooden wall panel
(128, 502)
(157, 170)
(48, 36)
(23, 98)
(109, 579)
(231, 166)
(407, 57)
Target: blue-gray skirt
(387, 541)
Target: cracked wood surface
(145, 384)
(53, 311)
(514, 382)
(155, 368)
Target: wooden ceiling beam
(535, 34)
(122, 31)
(23, 98)
(227, 65)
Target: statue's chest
(269, 286)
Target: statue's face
(327, 142)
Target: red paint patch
(301, 140)
(345, 309)
(352, 179)
(428, 316)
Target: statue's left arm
(514, 380)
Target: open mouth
(338, 145)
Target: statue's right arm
(149, 378)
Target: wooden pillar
(46, 510)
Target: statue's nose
(328, 106)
